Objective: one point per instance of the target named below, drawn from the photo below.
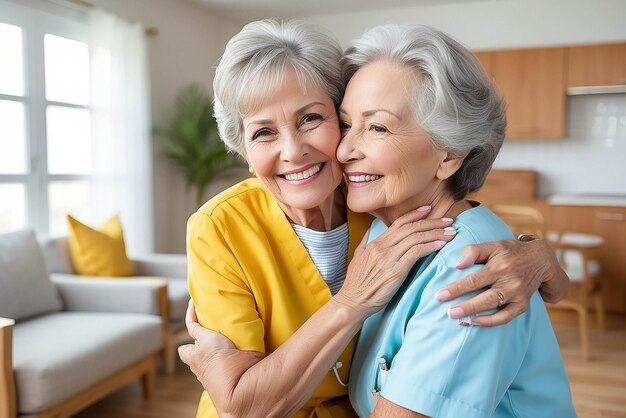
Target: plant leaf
(191, 140)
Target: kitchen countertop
(587, 200)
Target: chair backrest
(56, 252)
(574, 251)
(521, 219)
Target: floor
(598, 386)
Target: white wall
(189, 42)
(591, 158)
(493, 24)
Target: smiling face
(390, 164)
(290, 140)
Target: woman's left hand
(200, 355)
(514, 270)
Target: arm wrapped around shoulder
(514, 270)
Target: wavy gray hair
(254, 62)
(456, 103)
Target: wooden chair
(521, 219)
(576, 254)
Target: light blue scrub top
(441, 369)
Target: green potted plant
(191, 141)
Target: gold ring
(500, 299)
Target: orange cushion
(98, 252)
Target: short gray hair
(456, 104)
(254, 62)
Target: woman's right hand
(379, 268)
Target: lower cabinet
(609, 223)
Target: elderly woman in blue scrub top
(422, 125)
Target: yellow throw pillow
(98, 252)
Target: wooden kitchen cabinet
(533, 84)
(596, 65)
(484, 57)
(609, 223)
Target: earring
(251, 170)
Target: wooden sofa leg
(8, 406)
(169, 356)
(169, 349)
(148, 380)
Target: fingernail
(456, 313)
(423, 209)
(447, 220)
(476, 324)
(449, 231)
(443, 295)
(441, 243)
(460, 260)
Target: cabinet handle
(607, 216)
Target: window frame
(37, 19)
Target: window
(45, 119)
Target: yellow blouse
(253, 281)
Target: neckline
(340, 229)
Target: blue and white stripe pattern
(329, 252)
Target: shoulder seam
(214, 206)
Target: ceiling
(248, 10)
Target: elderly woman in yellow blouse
(268, 257)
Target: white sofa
(169, 267)
(66, 342)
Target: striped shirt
(329, 252)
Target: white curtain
(122, 174)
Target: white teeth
(363, 178)
(304, 174)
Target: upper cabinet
(596, 65)
(485, 60)
(533, 84)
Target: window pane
(12, 207)
(12, 68)
(69, 140)
(67, 197)
(67, 70)
(12, 139)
